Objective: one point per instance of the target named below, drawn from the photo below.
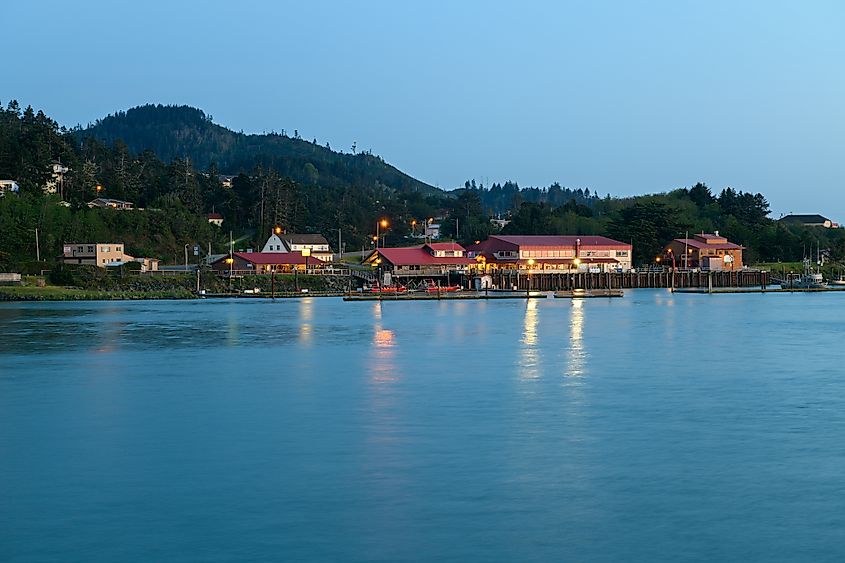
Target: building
(215, 219)
(266, 262)
(432, 230)
(95, 254)
(808, 221)
(316, 244)
(552, 253)
(226, 181)
(106, 203)
(8, 186)
(428, 260)
(704, 251)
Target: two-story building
(551, 253)
(704, 251)
(316, 244)
(100, 254)
(435, 259)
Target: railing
(308, 272)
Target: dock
(451, 296)
(735, 290)
(589, 293)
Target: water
(649, 428)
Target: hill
(177, 132)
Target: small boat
(840, 281)
(388, 289)
(429, 286)
(808, 280)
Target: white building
(8, 186)
(316, 244)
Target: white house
(315, 244)
(8, 186)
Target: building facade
(552, 253)
(428, 260)
(315, 244)
(240, 263)
(704, 251)
(94, 254)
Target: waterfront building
(266, 262)
(705, 251)
(552, 253)
(435, 259)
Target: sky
(619, 97)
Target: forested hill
(177, 132)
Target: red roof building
(433, 259)
(265, 262)
(705, 251)
(552, 252)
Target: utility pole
(37, 246)
(339, 245)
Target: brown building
(704, 251)
(99, 254)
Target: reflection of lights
(577, 354)
(383, 338)
(529, 356)
(306, 315)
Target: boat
(387, 289)
(808, 280)
(429, 286)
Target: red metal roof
(541, 241)
(418, 255)
(717, 246)
(276, 258)
(445, 246)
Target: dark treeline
(174, 175)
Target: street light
(383, 224)
(186, 257)
(414, 228)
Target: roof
(304, 238)
(445, 246)
(273, 258)
(812, 219)
(558, 240)
(215, 216)
(701, 244)
(417, 255)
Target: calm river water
(649, 428)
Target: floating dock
(734, 290)
(452, 296)
(589, 293)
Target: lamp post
(381, 224)
(414, 228)
(186, 257)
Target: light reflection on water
(315, 429)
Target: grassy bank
(55, 293)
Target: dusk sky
(618, 97)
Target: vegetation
(168, 161)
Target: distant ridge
(172, 132)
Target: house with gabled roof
(427, 260)
(314, 243)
